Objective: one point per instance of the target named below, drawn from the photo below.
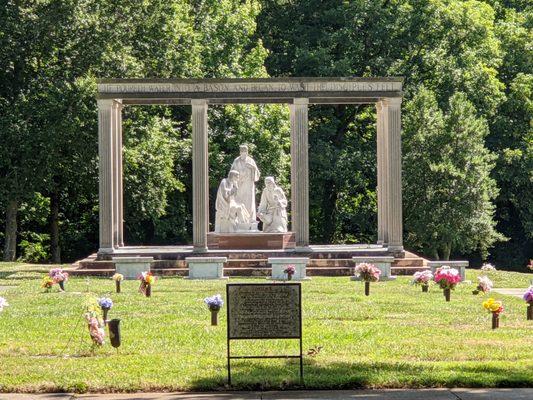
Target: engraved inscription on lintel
(248, 87)
(264, 311)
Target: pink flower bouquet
(290, 270)
(367, 272)
(422, 278)
(58, 276)
(447, 278)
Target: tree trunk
(10, 245)
(446, 251)
(54, 227)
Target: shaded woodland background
(467, 131)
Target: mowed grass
(397, 337)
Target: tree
(447, 45)
(447, 184)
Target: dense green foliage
(397, 337)
(468, 85)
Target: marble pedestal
(280, 263)
(132, 267)
(250, 241)
(459, 265)
(382, 262)
(206, 267)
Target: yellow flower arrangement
(47, 283)
(150, 279)
(493, 306)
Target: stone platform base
(324, 260)
(250, 241)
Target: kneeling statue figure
(229, 212)
(272, 209)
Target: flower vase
(425, 288)
(495, 320)
(62, 285)
(530, 312)
(148, 290)
(367, 288)
(105, 310)
(447, 293)
(114, 332)
(214, 317)
(117, 286)
(289, 277)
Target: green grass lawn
(397, 337)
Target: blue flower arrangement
(105, 302)
(214, 303)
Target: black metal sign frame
(299, 338)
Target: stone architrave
(248, 175)
(230, 214)
(272, 209)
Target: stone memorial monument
(272, 209)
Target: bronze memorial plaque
(264, 311)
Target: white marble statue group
(235, 203)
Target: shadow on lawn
(247, 375)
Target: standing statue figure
(273, 207)
(229, 212)
(248, 175)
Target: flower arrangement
(105, 304)
(3, 303)
(214, 303)
(118, 278)
(92, 316)
(96, 332)
(147, 279)
(58, 276)
(528, 297)
(289, 270)
(47, 283)
(368, 273)
(484, 285)
(422, 278)
(488, 267)
(447, 278)
(496, 308)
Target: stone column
(117, 177)
(300, 172)
(200, 175)
(392, 110)
(381, 140)
(106, 170)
